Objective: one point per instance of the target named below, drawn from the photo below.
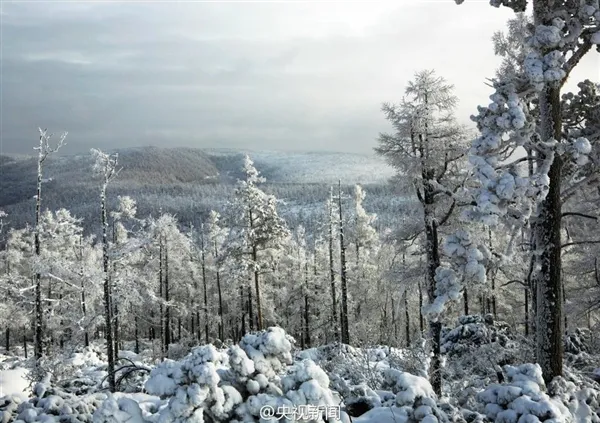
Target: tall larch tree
(426, 146)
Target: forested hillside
(190, 182)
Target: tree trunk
(204, 286)
(526, 292)
(37, 349)
(243, 311)
(86, 339)
(107, 296)
(343, 273)
(219, 292)
(168, 339)
(306, 307)
(407, 317)
(160, 294)
(433, 262)
(421, 318)
(7, 340)
(466, 301)
(250, 309)
(259, 322)
(116, 328)
(136, 334)
(334, 305)
(549, 320)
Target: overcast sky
(280, 75)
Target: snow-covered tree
(44, 150)
(106, 168)
(427, 147)
(216, 240)
(261, 232)
(563, 32)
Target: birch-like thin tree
(106, 167)
(44, 150)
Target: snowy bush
(234, 384)
(474, 330)
(52, 404)
(522, 398)
(578, 341)
(414, 401)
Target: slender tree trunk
(407, 318)
(160, 294)
(259, 323)
(221, 318)
(334, 305)
(433, 262)
(136, 334)
(243, 311)
(220, 294)
(343, 273)
(421, 318)
(107, 296)
(168, 339)
(113, 296)
(526, 295)
(194, 314)
(117, 331)
(86, 339)
(7, 340)
(205, 286)
(25, 344)
(466, 301)
(564, 298)
(306, 307)
(250, 309)
(38, 349)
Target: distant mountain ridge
(184, 181)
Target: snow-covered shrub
(271, 350)
(476, 349)
(118, 411)
(79, 372)
(233, 385)
(474, 330)
(578, 341)
(51, 404)
(414, 401)
(522, 398)
(362, 399)
(119, 408)
(8, 408)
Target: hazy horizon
(284, 76)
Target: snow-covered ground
(13, 382)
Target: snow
(383, 415)
(13, 382)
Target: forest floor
(487, 378)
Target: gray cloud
(305, 76)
